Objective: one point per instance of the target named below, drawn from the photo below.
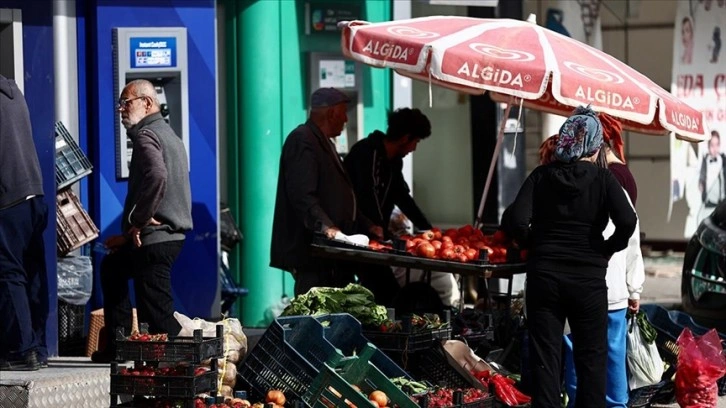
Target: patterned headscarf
(580, 136)
(547, 150)
(612, 133)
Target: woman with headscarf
(625, 278)
(559, 215)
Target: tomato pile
(456, 244)
(136, 336)
(148, 371)
(444, 397)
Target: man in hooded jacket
(23, 218)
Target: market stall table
(339, 250)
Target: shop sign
(324, 17)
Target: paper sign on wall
(337, 74)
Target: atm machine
(157, 54)
(334, 70)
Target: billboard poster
(698, 172)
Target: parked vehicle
(703, 283)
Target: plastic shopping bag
(701, 363)
(644, 362)
(75, 279)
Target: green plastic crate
(333, 386)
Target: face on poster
(700, 80)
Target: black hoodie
(379, 184)
(560, 214)
(20, 175)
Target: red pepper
(503, 391)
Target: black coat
(313, 193)
(379, 183)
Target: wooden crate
(74, 226)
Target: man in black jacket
(23, 218)
(157, 214)
(315, 194)
(375, 165)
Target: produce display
(504, 388)
(428, 321)
(464, 244)
(445, 397)
(353, 299)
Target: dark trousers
(150, 268)
(323, 272)
(23, 279)
(552, 298)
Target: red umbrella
(521, 62)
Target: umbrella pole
(495, 157)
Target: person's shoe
(29, 363)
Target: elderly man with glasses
(157, 214)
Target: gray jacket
(20, 174)
(158, 183)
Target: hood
(7, 87)
(571, 178)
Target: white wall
(442, 172)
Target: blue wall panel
(38, 78)
(195, 276)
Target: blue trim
(39, 94)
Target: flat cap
(325, 97)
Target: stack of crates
(170, 370)
(295, 350)
(74, 228)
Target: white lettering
(685, 121)
(489, 74)
(153, 44)
(604, 97)
(386, 50)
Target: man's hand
(135, 233)
(633, 305)
(114, 242)
(330, 232)
(376, 232)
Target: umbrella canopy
(517, 59)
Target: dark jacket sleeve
(301, 180)
(519, 214)
(621, 213)
(404, 201)
(359, 166)
(147, 150)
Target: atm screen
(152, 52)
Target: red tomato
(500, 237)
(452, 233)
(437, 233)
(447, 253)
(437, 244)
(471, 253)
(459, 249)
(426, 250)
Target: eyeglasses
(124, 103)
